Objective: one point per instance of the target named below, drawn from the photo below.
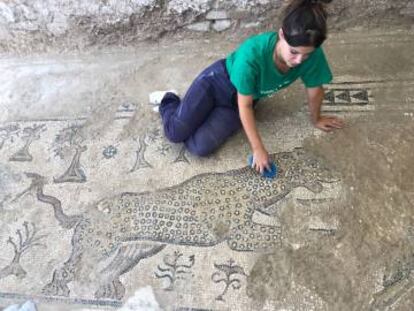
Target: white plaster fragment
(251, 25)
(143, 300)
(156, 97)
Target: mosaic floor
(90, 216)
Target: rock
(201, 26)
(28, 12)
(181, 6)
(214, 15)
(409, 10)
(221, 25)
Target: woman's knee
(201, 148)
(173, 139)
(201, 151)
(174, 135)
(175, 130)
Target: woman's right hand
(260, 155)
(261, 160)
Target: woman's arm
(324, 123)
(260, 154)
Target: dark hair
(304, 22)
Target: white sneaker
(156, 97)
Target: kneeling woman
(220, 100)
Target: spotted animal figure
(203, 211)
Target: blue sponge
(272, 173)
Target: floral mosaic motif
(153, 134)
(229, 273)
(26, 239)
(175, 267)
(109, 152)
(164, 148)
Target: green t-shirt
(253, 72)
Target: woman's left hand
(329, 123)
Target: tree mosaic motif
(30, 134)
(176, 267)
(150, 137)
(144, 141)
(140, 161)
(8, 132)
(70, 140)
(26, 239)
(229, 273)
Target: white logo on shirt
(267, 92)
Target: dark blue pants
(206, 116)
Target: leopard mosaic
(203, 211)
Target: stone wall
(69, 24)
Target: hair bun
(319, 1)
